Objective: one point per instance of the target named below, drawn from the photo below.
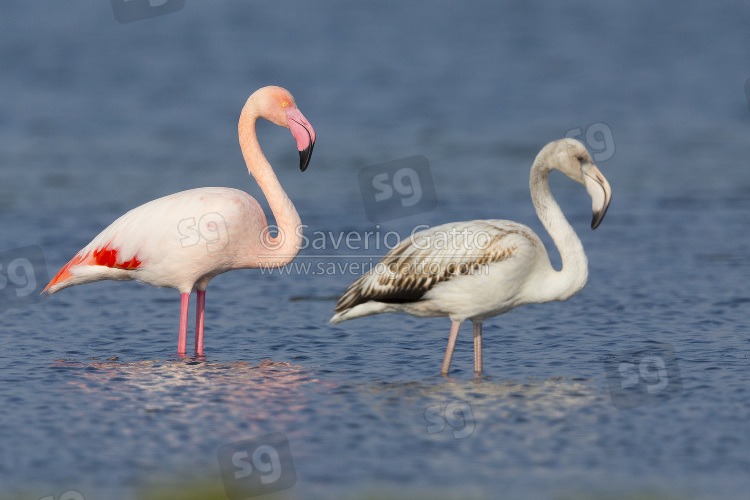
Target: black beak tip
(598, 218)
(304, 157)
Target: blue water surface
(97, 117)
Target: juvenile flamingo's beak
(599, 190)
(303, 133)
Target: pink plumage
(184, 240)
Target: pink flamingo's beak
(303, 133)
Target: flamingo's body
(480, 269)
(184, 240)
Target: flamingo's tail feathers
(64, 278)
(100, 264)
(337, 318)
(367, 309)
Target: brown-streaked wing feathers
(414, 267)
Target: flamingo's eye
(580, 158)
(284, 104)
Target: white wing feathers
(151, 231)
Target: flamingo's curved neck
(281, 249)
(563, 284)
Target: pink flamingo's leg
(199, 322)
(182, 341)
(451, 345)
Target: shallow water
(100, 117)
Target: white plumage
(480, 269)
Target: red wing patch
(108, 257)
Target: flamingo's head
(277, 105)
(570, 157)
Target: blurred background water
(97, 117)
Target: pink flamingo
(184, 240)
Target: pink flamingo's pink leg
(182, 341)
(199, 322)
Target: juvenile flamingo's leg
(182, 340)
(477, 348)
(199, 322)
(451, 345)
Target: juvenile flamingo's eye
(580, 158)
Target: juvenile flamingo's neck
(284, 246)
(563, 284)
